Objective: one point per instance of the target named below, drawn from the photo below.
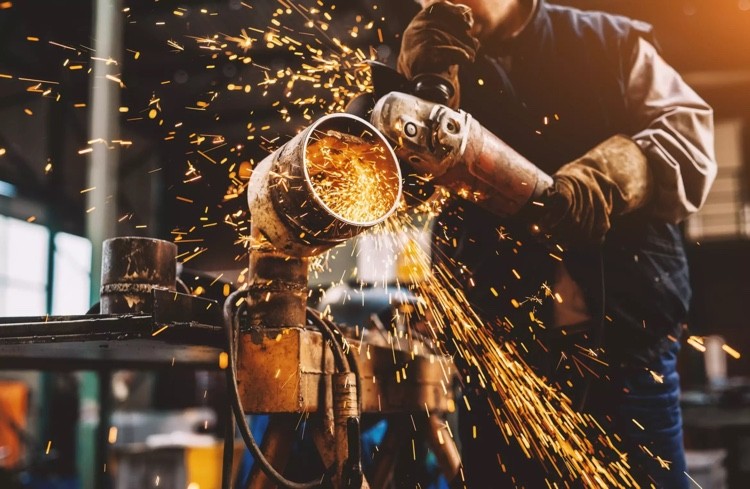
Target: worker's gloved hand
(610, 180)
(436, 42)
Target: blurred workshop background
(141, 84)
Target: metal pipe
(277, 286)
(104, 126)
(285, 206)
(131, 268)
(102, 172)
(290, 220)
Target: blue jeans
(636, 394)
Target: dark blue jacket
(553, 93)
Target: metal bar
(42, 330)
(106, 406)
(277, 447)
(443, 446)
(182, 330)
(388, 452)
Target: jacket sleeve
(674, 128)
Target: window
(24, 257)
(726, 213)
(71, 282)
(25, 263)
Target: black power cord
(231, 329)
(338, 340)
(227, 460)
(352, 474)
(598, 332)
(328, 329)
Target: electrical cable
(231, 329)
(227, 459)
(353, 364)
(598, 332)
(328, 330)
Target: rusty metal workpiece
(288, 371)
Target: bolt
(410, 129)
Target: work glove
(436, 42)
(610, 180)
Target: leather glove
(436, 42)
(610, 180)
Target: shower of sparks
(331, 72)
(325, 76)
(527, 410)
(353, 177)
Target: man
(623, 151)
